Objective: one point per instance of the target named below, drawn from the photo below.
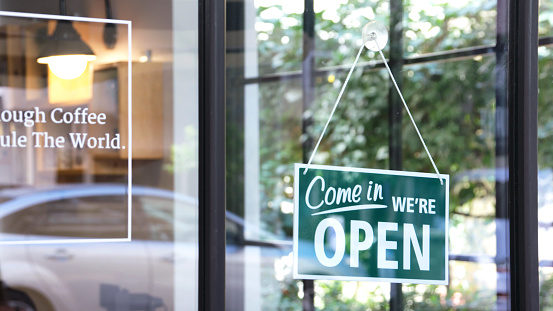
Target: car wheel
(19, 301)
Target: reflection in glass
(68, 240)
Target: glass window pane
(545, 18)
(272, 123)
(98, 191)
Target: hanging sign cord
(334, 109)
(408, 112)
(400, 95)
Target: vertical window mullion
(501, 156)
(522, 150)
(308, 90)
(395, 115)
(211, 177)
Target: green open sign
(370, 225)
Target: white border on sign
(299, 166)
(129, 143)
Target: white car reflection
(136, 275)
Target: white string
(334, 109)
(400, 95)
(408, 112)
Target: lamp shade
(65, 52)
(65, 41)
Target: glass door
(454, 63)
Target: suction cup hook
(375, 30)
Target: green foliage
(453, 102)
(436, 298)
(545, 108)
(184, 155)
(545, 18)
(546, 294)
(280, 147)
(331, 297)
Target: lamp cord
(63, 8)
(110, 30)
(109, 13)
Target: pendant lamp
(66, 54)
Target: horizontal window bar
(456, 54)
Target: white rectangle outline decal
(129, 143)
(296, 275)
